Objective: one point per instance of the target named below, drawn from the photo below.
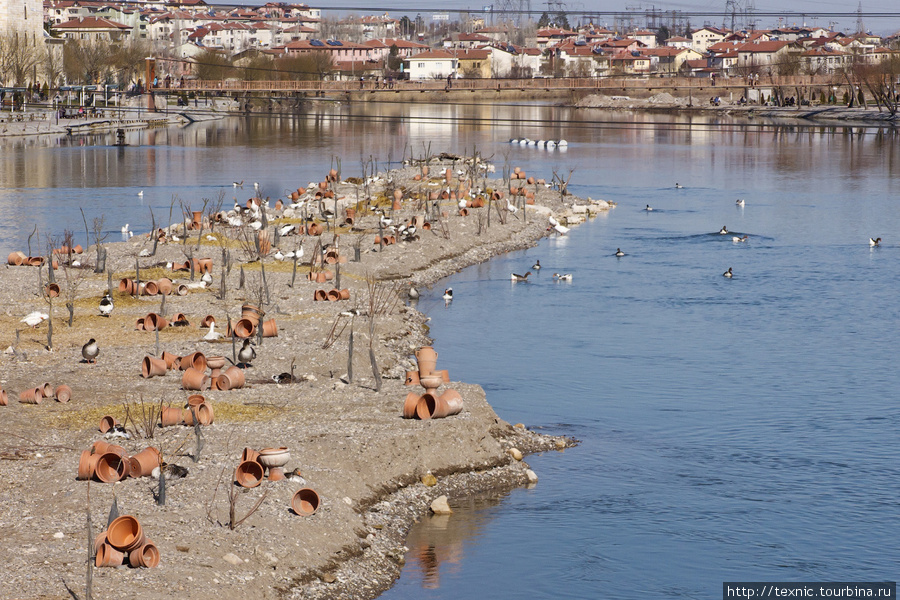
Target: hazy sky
(880, 25)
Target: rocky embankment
(347, 441)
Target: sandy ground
(349, 442)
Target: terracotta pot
(78, 249)
(251, 312)
(203, 411)
(52, 290)
(417, 177)
(4, 398)
(445, 195)
(181, 290)
(36, 261)
(448, 175)
(31, 396)
(215, 362)
(194, 379)
(150, 289)
(273, 457)
(207, 321)
(270, 329)
(314, 229)
(154, 321)
(170, 416)
(427, 359)
(114, 449)
(348, 221)
(205, 265)
(426, 226)
(333, 173)
(276, 474)
(100, 447)
(249, 474)
(331, 256)
(350, 212)
(249, 454)
(412, 378)
(46, 390)
(110, 467)
(231, 379)
(397, 205)
(320, 295)
(139, 324)
(170, 359)
(196, 360)
(530, 181)
(126, 286)
(436, 407)
(425, 170)
(195, 400)
(197, 218)
(180, 319)
(478, 202)
(433, 196)
(333, 295)
(244, 328)
(305, 502)
(63, 393)
(409, 405)
(153, 367)
(16, 259)
(430, 382)
(445, 375)
(86, 465)
(125, 533)
(164, 285)
(107, 556)
(464, 212)
(145, 556)
(143, 463)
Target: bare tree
(88, 60)
(19, 56)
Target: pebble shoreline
(349, 442)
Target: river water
(731, 429)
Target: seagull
(536, 266)
(448, 295)
(213, 334)
(723, 231)
(648, 209)
(619, 252)
(35, 318)
(874, 242)
(739, 202)
(738, 240)
(106, 305)
(125, 228)
(517, 277)
(564, 277)
(246, 353)
(90, 351)
(728, 273)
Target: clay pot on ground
(164, 285)
(207, 320)
(205, 265)
(464, 212)
(16, 259)
(203, 411)
(270, 329)
(46, 390)
(107, 556)
(194, 379)
(110, 468)
(181, 290)
(143, 463)
(244, 328)
(127, 286)
(4, 398)
(249, 454)
(412, 378)
(350, 213)
(52, 290)
(251, 312)
(314, 229)
(331, 256)
(445, 375)
(436, 407)
(397, 205)
(409, 405)
(431, 382)
(180, 320)
(31, 396)
(100, 447)
(170, 416)
(36, 261)
(150, 289)
(249, 474)
(197, 219)
(154, 321)
(153, 367)
(139, 324)
(125, 533)
(478, 202)
(231, 379)
(426, 357)
(305, 502)
(274, 457)
(170, 359)
(86, 465)
(215, 364)
(145, 556)
(194, 359)
(63, 393)
(333, 295)
(530, 181)
(320, 295)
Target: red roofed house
(473, 64)
(92, 28)
(434, 64)
(668, 61)
(765, 55)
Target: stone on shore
(439, 506)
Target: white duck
(738, 240)
(563, 277)
(35, 318)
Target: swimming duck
(90, 351)
(238, 184)
(738, 240)
(141, 193)
(723, 231)
(106, 305)
(739, 202)
(648, 208)
(564, 277)
(33, 319)
(536, 266)
(448, 294)
(517, 277)
(728, 273)
(874, 242)
(678, 186)
(619, 252)
(125, 228)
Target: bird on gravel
(90, 351)
(106, 305)
(33, 319)
(246, 354)
(213, 334)
(413, 293)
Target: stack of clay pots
(254, 464)
(196, 405)
(249, 321)
(429, 405)
(125, 537)
(109, 463)
(19, 259)
(331, 295)
(62, 393)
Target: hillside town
(69, 42)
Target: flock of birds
(548, 144)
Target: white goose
(738, 240)
(33, 319)
(874, 241)
(213, 334)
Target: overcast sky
(879, 25)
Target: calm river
(738, 429)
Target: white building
(434, 64)
(23, 17)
